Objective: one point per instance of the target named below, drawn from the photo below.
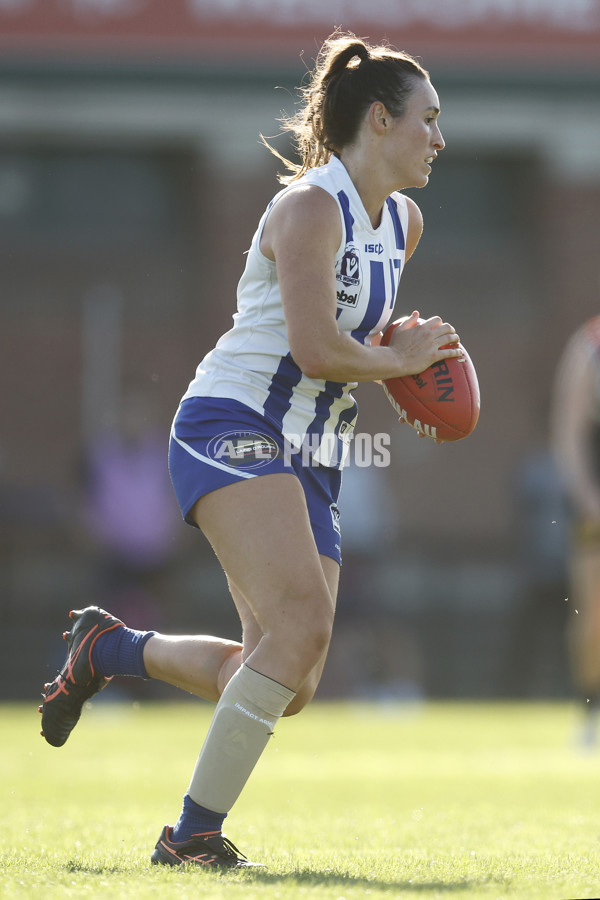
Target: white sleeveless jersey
(252, 362)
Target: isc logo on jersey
(350, 276)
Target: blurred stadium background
(131, 179)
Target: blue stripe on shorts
(216, 442)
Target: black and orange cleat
(77, 681)
(212, 850)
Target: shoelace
(228, 848)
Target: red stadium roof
(499, 33)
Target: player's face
(415, 137)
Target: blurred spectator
(576, 444)
(130, 512)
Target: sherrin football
(442, 402)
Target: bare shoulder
(415, 226)
(414, 213)
(304, 213)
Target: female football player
(575, 437)
(260, 436)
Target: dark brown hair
(348, 76)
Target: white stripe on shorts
(211, 462)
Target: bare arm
(415, 227)
(302, 234)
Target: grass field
(447, 800)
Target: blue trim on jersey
(400, 242)
(287, 376)
(323, 403)
(347, 416)
(395, 266)
(377, 302)
(393, 278)
(348, 217)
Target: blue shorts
(216, 442)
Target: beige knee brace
(243, 721)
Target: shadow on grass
(347, 879)
(78, 865)
(308, 877)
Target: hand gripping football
(442, 402)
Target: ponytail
(349, 75)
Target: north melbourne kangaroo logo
(349, 273)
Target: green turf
(448, 800)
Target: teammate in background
(259, 438)
(576, 444)
(129, 513)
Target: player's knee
(312, 638)
(319, 638)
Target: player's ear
(379, 117)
